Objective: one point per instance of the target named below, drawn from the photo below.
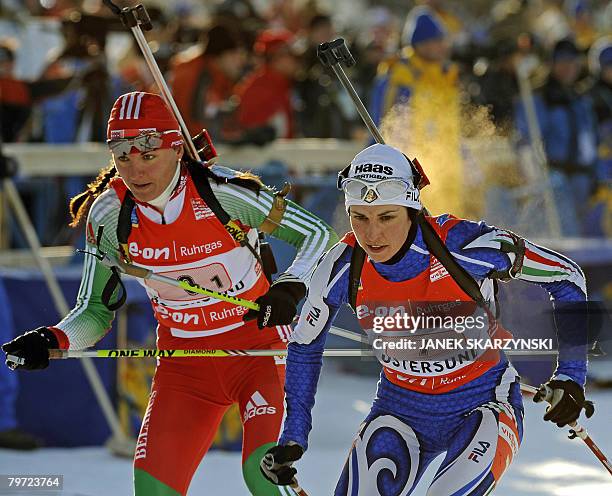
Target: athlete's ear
(180, 150)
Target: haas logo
(378, 168)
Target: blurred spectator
(498, 85)
(243, 15)
(15, 100)
(17, 96)
(550, 22)
(417, 93)
(568, 129)
(451, 22)
(382, 29)
(600, 214)
(203, 81)
(287, 14)
(601, 94)
(322, 113)
(509, 19)
(73, 96)
(266, 94)
(378, 42)
(79, 114)
(581, 22)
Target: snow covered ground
(547, 464)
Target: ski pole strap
(124, 227)
(357, 261)
(124, 224)
(113, 283)
(275, 215)
(439, 250)
(518, 248)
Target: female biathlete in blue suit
(469, 409)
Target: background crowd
(432, 73)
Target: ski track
(547, 464)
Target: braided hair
(81, 203)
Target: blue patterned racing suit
(477, 424)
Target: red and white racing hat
(140, 122)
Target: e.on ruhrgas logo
(148, 253)
(257, 405)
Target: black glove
(279, 305)
(33, 347)
(566, 400)
(276, 464)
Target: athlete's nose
(139, 168)
(373, 233)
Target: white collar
(162, 200)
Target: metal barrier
(307, 155)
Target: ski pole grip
(133, 270)
(544, 393)
(13, 361)
(143, 16)
(128, 17)
(132, 17)
(57, 354)
(335, 52)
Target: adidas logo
(257, 405)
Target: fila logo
(257, 405)
(412, 195)
(378, 168)
(476, 452)
(313, 316)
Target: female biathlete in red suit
(174, 232)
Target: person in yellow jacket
(416, 101)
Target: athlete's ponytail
(81, 203)
(244, 179)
